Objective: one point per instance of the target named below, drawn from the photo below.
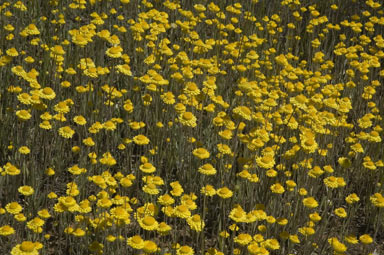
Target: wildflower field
(191, 127)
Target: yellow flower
(35, 225)
(140, 140)
(310, 202)
(150, 246)
(163, 228)
(340, 212)
(151, 188)
(351, 239)
(337, 245)
(66, 132)
(26, 190)
(114, 52)
(136, 242)
(207, 169)
(47, 93)
(185, 250)
(148, 223)
(243, 239)
(243, 111)
(27, 248)
(365, 239)
(201, 153)
(6, 230)
(23, 115)
(195, 223)
(165, 200)
(208, 190)
(188, 119)
(182, 211)
(24, 150)
(272, 244)
(177, 189)
(277, 188)
(147, 168)
(13, 208)
(80, 120)
(224, 193)
(267, 161)
(352, 198)
(308, 142)
(307, 231)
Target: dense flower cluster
(191, 127)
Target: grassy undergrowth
(191, 127)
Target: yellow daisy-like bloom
(80, 120)
(45, 125)
(66, 132)
(24, 150)
(366, 239)
(340, 212)
(351, 239)
(243, 239)
(11, 169)
(26, 190)
(151, 189)
(150, 247)
(188, 119)
(166, 199)
(272, 244)
(13, 208)
(185, 250)
(35, 225)
(182, 211)
(136, 242)
(337, 245)
(120, 213)
(114, 52)
(308, 142)
(352, 198)
(12, 52)
(164, 228)
(148, 223)
(310, 202)
(208, 190)
(62, 107)
(201, 153)
(224, 193)
(24, 98)
(147, 168)
(237, 214)
(307, 231)
(23, 115)
(294, 239)
(6, 230)
(207, 169)
(27, 248)
(277, 188)
(191, 89)
(109, 125)
(124, 69)
(266, 162)
(168, 98)
(44, 214)
(140, 140)
(47, 93)
(243, 111)
(255, 249)
(108, 159)
(177, 189)
(331, 182)
(195, 223)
